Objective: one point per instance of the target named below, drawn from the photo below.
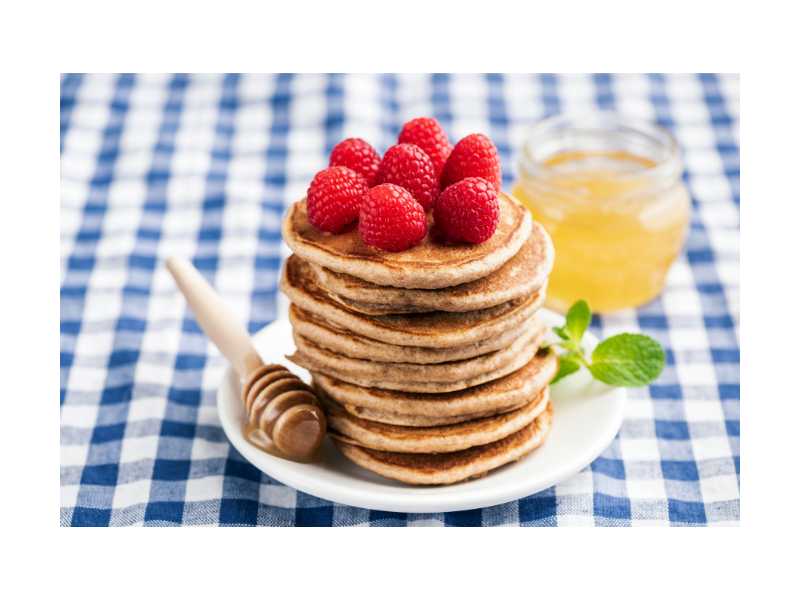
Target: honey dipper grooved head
(283, 414)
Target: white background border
(42, 40)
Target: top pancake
(525, 273)
(429, 265)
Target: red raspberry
(356, 154)
(428, 135)
(391, 219)
(334, 198)
(467, 211)
(408, 166)
(474, 156)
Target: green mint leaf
(561, 332)
(578, 318)
(627, 359)
(566, 366)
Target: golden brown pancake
(429, 265)
(430, 330)
(435, 439)
(409, 408)
(451, 467)
(372, 308)
(525, 273)
(339, 340)
(445, 372)
(417, 421)
(443, 377)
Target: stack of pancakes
(428, 361)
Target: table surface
(203, 166)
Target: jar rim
(635, 130)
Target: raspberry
(474, 156)
(334, 198)
(467, 211)
(356, 154)
(428, 135)
(391, 219)
(408, 166)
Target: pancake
(451, 467)
(344, 342)
(525, 273)
(446, 372)
(405, 408)
(443, 377)
(437, 439)
(417, 421)
(371, 308)
(429, 265)
(430, 330)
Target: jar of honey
(608, 190)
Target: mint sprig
(624, 360)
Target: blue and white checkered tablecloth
(203, 166)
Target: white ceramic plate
(587, 416)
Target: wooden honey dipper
(283, 413)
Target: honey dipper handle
(215, 317)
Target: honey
(617, 216)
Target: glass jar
(608, 189)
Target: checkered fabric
(203, 166)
